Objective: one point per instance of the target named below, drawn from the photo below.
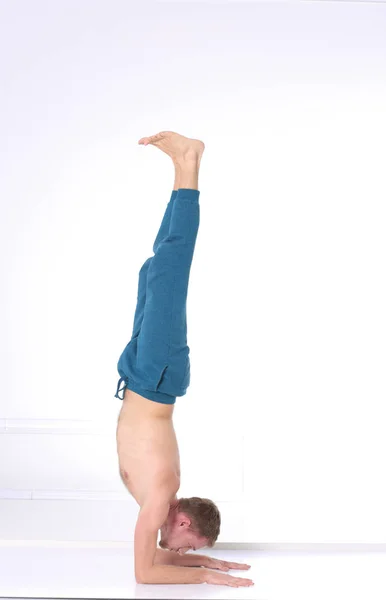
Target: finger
(240, 581)
(239, 566)
(245, 581)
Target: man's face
(182, 541)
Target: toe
(156, 138)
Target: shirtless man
(155, 368)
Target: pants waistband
(155, 396)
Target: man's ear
(184, 520)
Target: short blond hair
(206, 518)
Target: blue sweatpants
(155, 362)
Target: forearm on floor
(167, 557)
(190, 560)
(174, 574)
(164, 557)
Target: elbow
(141, 577)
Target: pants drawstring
(121, 389)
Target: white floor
(51, 572)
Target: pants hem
(155, 396)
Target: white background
(283, 424)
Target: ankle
(190, 161)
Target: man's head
(192, 523)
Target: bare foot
(177, 146)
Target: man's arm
(151, 517)
(168, 557)
(165, 557)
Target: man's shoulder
(154, 509)
(163, 490)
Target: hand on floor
(224, 565)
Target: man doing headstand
(155, 369)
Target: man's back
(147, 447)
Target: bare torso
(147, 447)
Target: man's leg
(162, 348)
(142, 278)
(159, 363)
